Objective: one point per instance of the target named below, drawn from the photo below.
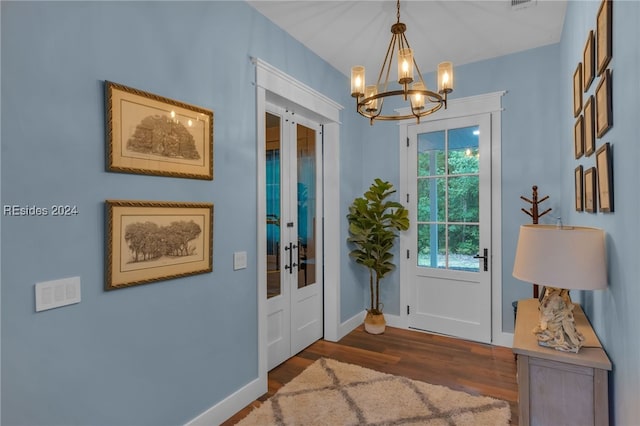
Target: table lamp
(561, 258)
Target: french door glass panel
(307, 203)
(273, 147)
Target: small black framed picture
(577, 90)
(589, 130)
(604, 43)
(578, 189)
(588, 62)
(605, 178)
(578, 138)
(604, 109)
(590, 190)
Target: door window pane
(462, 152)
(463, 245)
(463, 199)
(306, 152)
(431, 200)
(273, 204)
(431, 150)
(432, 242)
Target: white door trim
(460, 107)
(275, 86)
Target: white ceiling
(357, 32)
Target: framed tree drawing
(589, 127)
(578, 189)
(152, 135)
(578, 138)
(604, 109)
(577, 90)
(605, 178)
(149, 241)
(590, 190)
(588, 62)
(604, 43)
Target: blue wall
(614, 312)
(154, 354)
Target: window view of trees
(448, 200)
(149, 241)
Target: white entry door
(294, 234)
(448, 245)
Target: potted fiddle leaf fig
(374, 221)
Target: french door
(294, 235)
(449, 242)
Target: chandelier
(370, 98)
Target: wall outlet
(56, 293)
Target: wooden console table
(560, 388)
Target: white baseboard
(395, 321)
(231, 404)
(349, 325)
(503, 339)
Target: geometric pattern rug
(329, 392)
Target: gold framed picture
(578, 189)
(604, 43)
(149, 241)
(589, 128)
(577, 90)
(604, 110)
(605, 178)
(578, 138)
(588, 62)
(590, 190)
(153, 135)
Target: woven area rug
(329, 392)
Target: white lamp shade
(568, 257)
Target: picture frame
(589, 129)
(150, 241)
(604, 42)
(578, 189)
(152, 135)
(605, 178)
(590, 190)
(604, 109)
(577, 90)
(588, 62)
(578, 138)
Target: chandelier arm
(388, 59)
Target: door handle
(485, 257)
(291, 264)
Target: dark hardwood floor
(475, 368)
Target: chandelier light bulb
(357, 81)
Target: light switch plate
(56, 293)
(239, 260)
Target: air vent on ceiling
(522, 4)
